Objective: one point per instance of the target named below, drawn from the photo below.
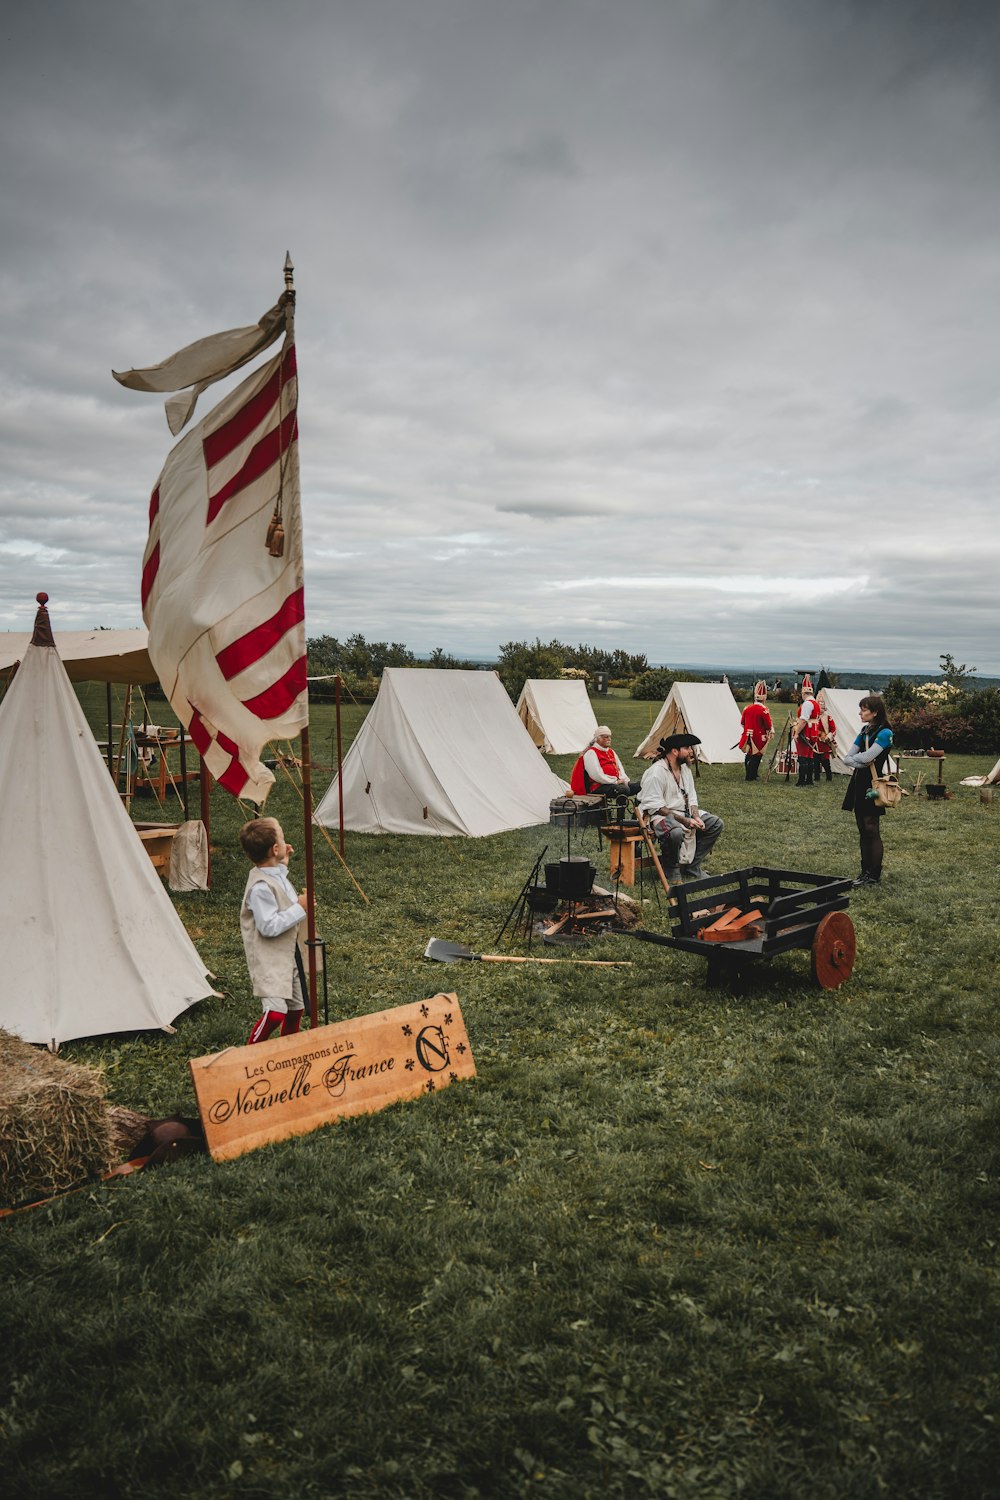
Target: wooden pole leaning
(650, 843)
(307, 814)
(778, 741)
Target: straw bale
(55, 1128)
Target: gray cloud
(596, 293)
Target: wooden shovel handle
(595, 963)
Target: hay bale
(55, 1128)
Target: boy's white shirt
(269, 919)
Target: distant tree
(444, 661)
(324, 654)
(899, 695)
(519, 660)
(656, 683)
(953, 674)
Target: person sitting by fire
(757, 730)
(804, 733)
(826, 739)
(598, 769)
(669, 798)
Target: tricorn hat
(677, 742)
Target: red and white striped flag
(223, 603)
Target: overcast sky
(664, 324)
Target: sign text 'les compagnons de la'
(249, 1096)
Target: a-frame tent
(707, 709)
(842, 704)
(91, 942)
(557, 713)
(441, 753)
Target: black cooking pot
(572, 878)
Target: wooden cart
(796, 910)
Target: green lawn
(669, 1242)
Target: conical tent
(90, 939)
(557, 714)
(707, 709)
(441, 753)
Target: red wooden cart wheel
(833, 948)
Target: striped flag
(222, 578)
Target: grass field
(669, 1242)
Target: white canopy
(90, 940)
(90, 655)
(707, 709)
(557, 714)
(441, 753)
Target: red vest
(580, 783)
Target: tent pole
(340, 763)
(184, 774)
(111, 751)
(307, 813)
(204, 786)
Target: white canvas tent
(707, 709)
(90, 940)
(91, 655)
(842, 703)
(441, 753)
(557, 714)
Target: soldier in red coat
(826, 738)
(804, 734)
(757, 730)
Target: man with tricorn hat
(757, 730)
(668, 796)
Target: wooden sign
(250, 1096)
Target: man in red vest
(599, 770)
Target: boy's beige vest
(271, 961)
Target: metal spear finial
(289, 270)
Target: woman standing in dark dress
(871, 747)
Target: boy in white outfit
(269, 918)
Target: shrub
(930, 728)
(982, 710)
(899, 696)
(657, 682)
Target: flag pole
(340, 768)
(307, 810)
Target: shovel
(453, 953)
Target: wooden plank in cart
(251, 1096)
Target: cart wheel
(833, 950)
